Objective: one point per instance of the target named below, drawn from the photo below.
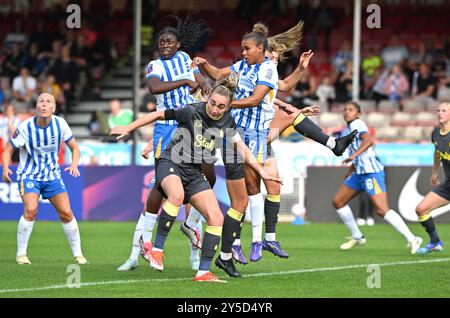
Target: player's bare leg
(70, 226)
(380, 202)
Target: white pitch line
(162, 280)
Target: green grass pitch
(316, 267)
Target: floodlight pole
(136, 69)
(356, 49)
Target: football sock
(148, 226)
(136, 249)
(428, 223)
(23, 235)
(166, 219)
(257, 215)
(193, 218)
(346, 215)
(309, 129)
(397, 222)
(73, 236)
(231, 226)
(271, 210)
(210, 244)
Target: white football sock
(270, 237)
(331, 142)
(138, 230)
(397, 222)
(257, 215)
(193, 218)
(149, 225)
(237, 242)
(226, 256)
(346, 215)
(24, 230)
(73, 236)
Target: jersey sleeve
(154, 69)
(236, 67)
(66, 132)
(183, 115)
(19, 138)
(195, 70)
(359, 125)
(268, 75)
(433, 135)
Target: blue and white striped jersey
(177, 68)
(366, 162)
(39, 148)
(266, 73)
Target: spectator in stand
(343, 56)
(421, 55)
(344, 84)
(395, 53)
(16, 36)
(326, 91)
(8, 124)
(118, 116)
(32, 62)
(377, 92)
(305, 89)
(396, 85)
(81, 54)
(66, 74)
(424, 85)
(24, 90)
(2, 100)
(371, 62)
(41, 37)
(50, 58)
(11, 64)
(50, 86)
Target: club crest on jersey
(16, 133)
(269, 74)
(149, 68)
(198, 124)
(30, 185)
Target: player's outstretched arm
(210, 70)
(147, 119)
(6, 157)
(254, 100)
(289, 82)
(253, 162)
(367, 141)
(156, 86)
(73, 168)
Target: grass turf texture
(315, 246)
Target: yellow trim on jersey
(271, 95)
(158, 148)
(214, 230)
(376, 186)
(260, 156)
(171, 209)
(299, 119)
(273, 197)
(423, 218)
(22, 189)
(235, 214)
